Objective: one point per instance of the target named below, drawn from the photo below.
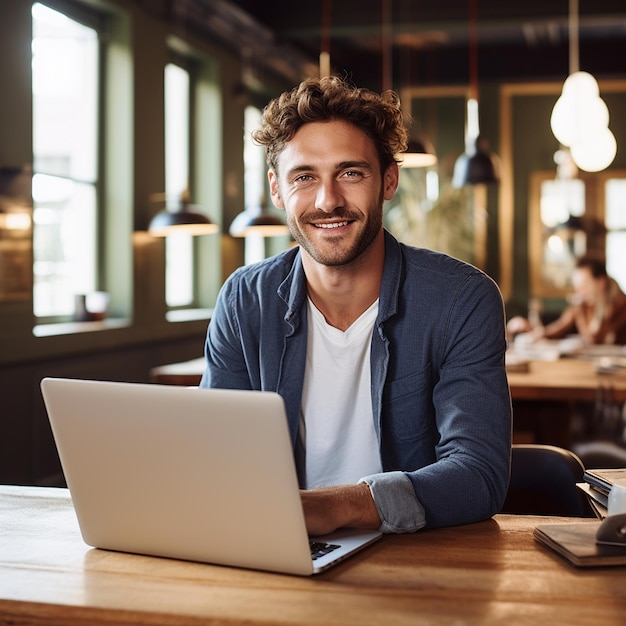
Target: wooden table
(492, 572)
(560, 402)
(186, 373)
(546, 398)
(567, 379)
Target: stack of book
(597, 484)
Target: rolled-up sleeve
(396, 503)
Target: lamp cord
(574, 64)
(473, 48)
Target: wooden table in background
(565, 380)
(545, 398)
(557, 402)
(491, 572)
(186, 373)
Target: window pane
(179, 247)
(64, 243)
(65, 97)
(176, 131)
(560, 199)
(254, 160)
(179, 269)
(616, 203)
(615, 220)
(65, 87)
(615, 266)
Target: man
(597, 309)
(390, 359)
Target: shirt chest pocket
(407, 409)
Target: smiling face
(329, 182)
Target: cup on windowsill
(91, 307)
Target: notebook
(577, 543)
(197, 474)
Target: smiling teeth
(333, 225)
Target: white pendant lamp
(580, 118)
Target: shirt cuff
(396, 502)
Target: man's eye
(352, 174)
(304, 178)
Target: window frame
(594, 214)
(98, 22)
(114, 229)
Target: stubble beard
(337, 255)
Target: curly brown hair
(333, 98)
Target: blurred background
(130, 188)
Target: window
(254, 182)
(193, 166)
(254, 160)
(615, 222)
(569, 218)
(179, 275)
(560, 201)
(65, 147)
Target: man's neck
(343, 293)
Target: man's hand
(330, 508)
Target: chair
(601, 454)
(543, 482)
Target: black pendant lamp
(419, 153)
(477, 165)
(258, 220)
(184, 218)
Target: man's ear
(390, 181)
(274, 190)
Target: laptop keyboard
(319, 548)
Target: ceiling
(419, 42)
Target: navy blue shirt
(440, 396)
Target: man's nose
(329, 196)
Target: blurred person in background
(596, 310)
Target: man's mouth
(331, 225)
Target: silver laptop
(197, 474)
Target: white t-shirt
(337, 423)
